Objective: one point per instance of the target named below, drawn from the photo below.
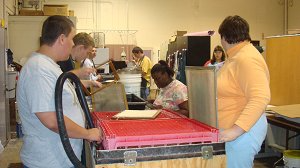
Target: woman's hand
(158, 106)
(231, 133)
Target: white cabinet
(24, 35)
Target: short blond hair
(83, 39)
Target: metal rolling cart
(179, 156)
(179, 150)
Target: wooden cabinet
(283, 58)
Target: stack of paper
(288, 112)
(291, 111)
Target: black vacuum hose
(60, 116)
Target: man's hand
(89, 83)
(96, 84)
(231, 133)
(83, 73)
(99, 78)
(94, 134)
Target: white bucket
(291, 158)
(132, 83)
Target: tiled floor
(10, 157)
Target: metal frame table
(287, 125)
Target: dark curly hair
(234, 29)
(162, 66)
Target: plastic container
(291, 158)
(12, 77)
(123, 55)
(1, 147)
(135, 102)
(132, 83)
(120, 134)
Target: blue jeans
(145, 91)
(240, 152)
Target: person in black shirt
(83, 45)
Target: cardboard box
(50, 10)
(71, 13)
(23, 12)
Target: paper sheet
(137, 114)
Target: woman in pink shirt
(243, 94)
(172, 93)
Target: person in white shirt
(42, 146)
(89, 63)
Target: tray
(122, 134)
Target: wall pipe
(286, 16)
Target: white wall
(157, 20)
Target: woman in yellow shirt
(243, 94)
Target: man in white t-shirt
(42, 146)
(89, 63)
